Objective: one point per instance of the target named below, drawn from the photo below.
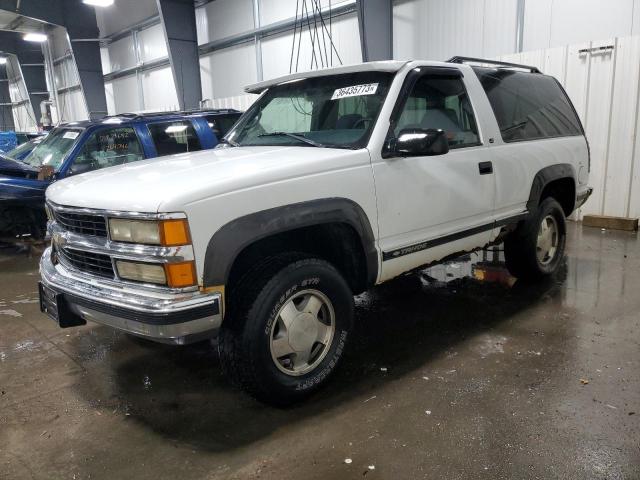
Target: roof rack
(138, 116)
(493, 62)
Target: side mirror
(412, 142)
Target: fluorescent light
(98, 3)
(35, 37)
(3, 60)
(175, 128)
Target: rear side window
(528, 106)
(221, 124)
(174, 137)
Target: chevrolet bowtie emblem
(59, 239)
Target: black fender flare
(227, 243)
(546, 176)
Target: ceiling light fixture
(98, 3)
(35, 37)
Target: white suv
(332, 182)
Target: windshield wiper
(295, 136)
(229, 142)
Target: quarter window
(174, 137)
(107, 148)
(528, 106)
(440, 102)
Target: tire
(522, 255)
(255, 343)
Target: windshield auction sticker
(71, 135)
(355, 91)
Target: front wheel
(287, 328)
(536, 248)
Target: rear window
(528, 106)
(174, 137)
(221, 124)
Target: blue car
(23, 150)
(79, 147)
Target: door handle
(485, 168)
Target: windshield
(20, 150)
(337, 111)
(53, 149)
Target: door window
(441, 103)
(107, 148)
(174, 137)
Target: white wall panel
(276, 10)
(226, 72)
(499, 30)
(574, 21)
(104, 60)
(537, 25)
(124, 14)
(125, 96)
(624, 115)
(72, 106)
(239, 102)
(223, 18)
(122, 53)
(159, 90)
(440, 29)
(597, 121)
(152, 43)
(604, 87)
(276, 49)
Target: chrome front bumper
(166, 317)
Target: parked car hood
(171, 183)
(16, 168)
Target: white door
(430, 207)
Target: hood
(19, 190)
(171, 183)
(15, 168)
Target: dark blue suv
(78, 147)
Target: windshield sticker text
(355, 91)
(71, 135)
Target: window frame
(168, 122)
(69, 170)
(403, 96)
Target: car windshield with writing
(337, 111)
(53, 149)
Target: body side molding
(227, 243)
(417, 247)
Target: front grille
(81, 223)
(89, 262)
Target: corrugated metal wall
(440, 29)
(603, 85)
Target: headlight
(150, 232)
(141, 272)
(174, 275)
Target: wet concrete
(458, 372)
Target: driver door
(107, 147)
(430, 207)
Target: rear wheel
(287, 328)
(536, 248)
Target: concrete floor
(447, 377)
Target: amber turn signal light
(174, 232)
(180, 275)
